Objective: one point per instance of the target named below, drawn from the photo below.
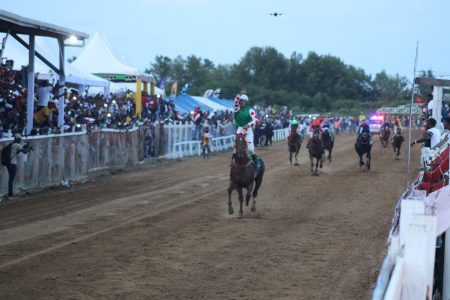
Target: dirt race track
(162, 231)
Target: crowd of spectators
(82, 112)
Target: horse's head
(364, 138)
(316, 134)
(241, 147)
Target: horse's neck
(242, 161)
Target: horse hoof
(253, 209)
(296, 164)
(230, 211)
(240, 215)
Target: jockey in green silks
(245, 120)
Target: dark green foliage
(317, 83)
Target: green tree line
(315, 83)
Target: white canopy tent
(98, 57)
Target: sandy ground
(162, 231)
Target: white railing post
(418, 241)
(446, 277)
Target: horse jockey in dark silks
(326, 127)
(386, 125)
(364, 129)
(316, 125)
(245, 120)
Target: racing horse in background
(327, 142)
(294, 143)
(315, 149)
(243, 174)
(362, 147)
(385, 133)
(397, 141)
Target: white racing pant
(248, 138)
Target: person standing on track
(206, 143)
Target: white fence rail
(408, 268)
(191, 148)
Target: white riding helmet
(243, 97)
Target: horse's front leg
(230, 190)
(329, 154)
(312, 162)
(241, 201)
(296, 155)
(361, 162)
(249, 193)
(258, 182)
(369, 158)
(290, 156)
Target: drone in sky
(275, 14)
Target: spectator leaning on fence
(430, 139)
(43, 117)
(11, 162)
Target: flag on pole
(420, 99)
(173, 90)
(216, 93)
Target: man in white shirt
(44, 94)
(432, 137)
(446, 135)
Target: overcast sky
(372, 35)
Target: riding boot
(255, 161)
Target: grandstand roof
(10, 22)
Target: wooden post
(138, 98)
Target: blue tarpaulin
(224, 102)
(186, 103)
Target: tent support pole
(61, 85)
(30, 86)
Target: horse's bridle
(241, 151)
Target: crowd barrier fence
(63, 158)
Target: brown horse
(315, 148)
(385, 133)
(328, 142)
(244, 175)
(363, 146)
(397, 141)
(294, 143)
